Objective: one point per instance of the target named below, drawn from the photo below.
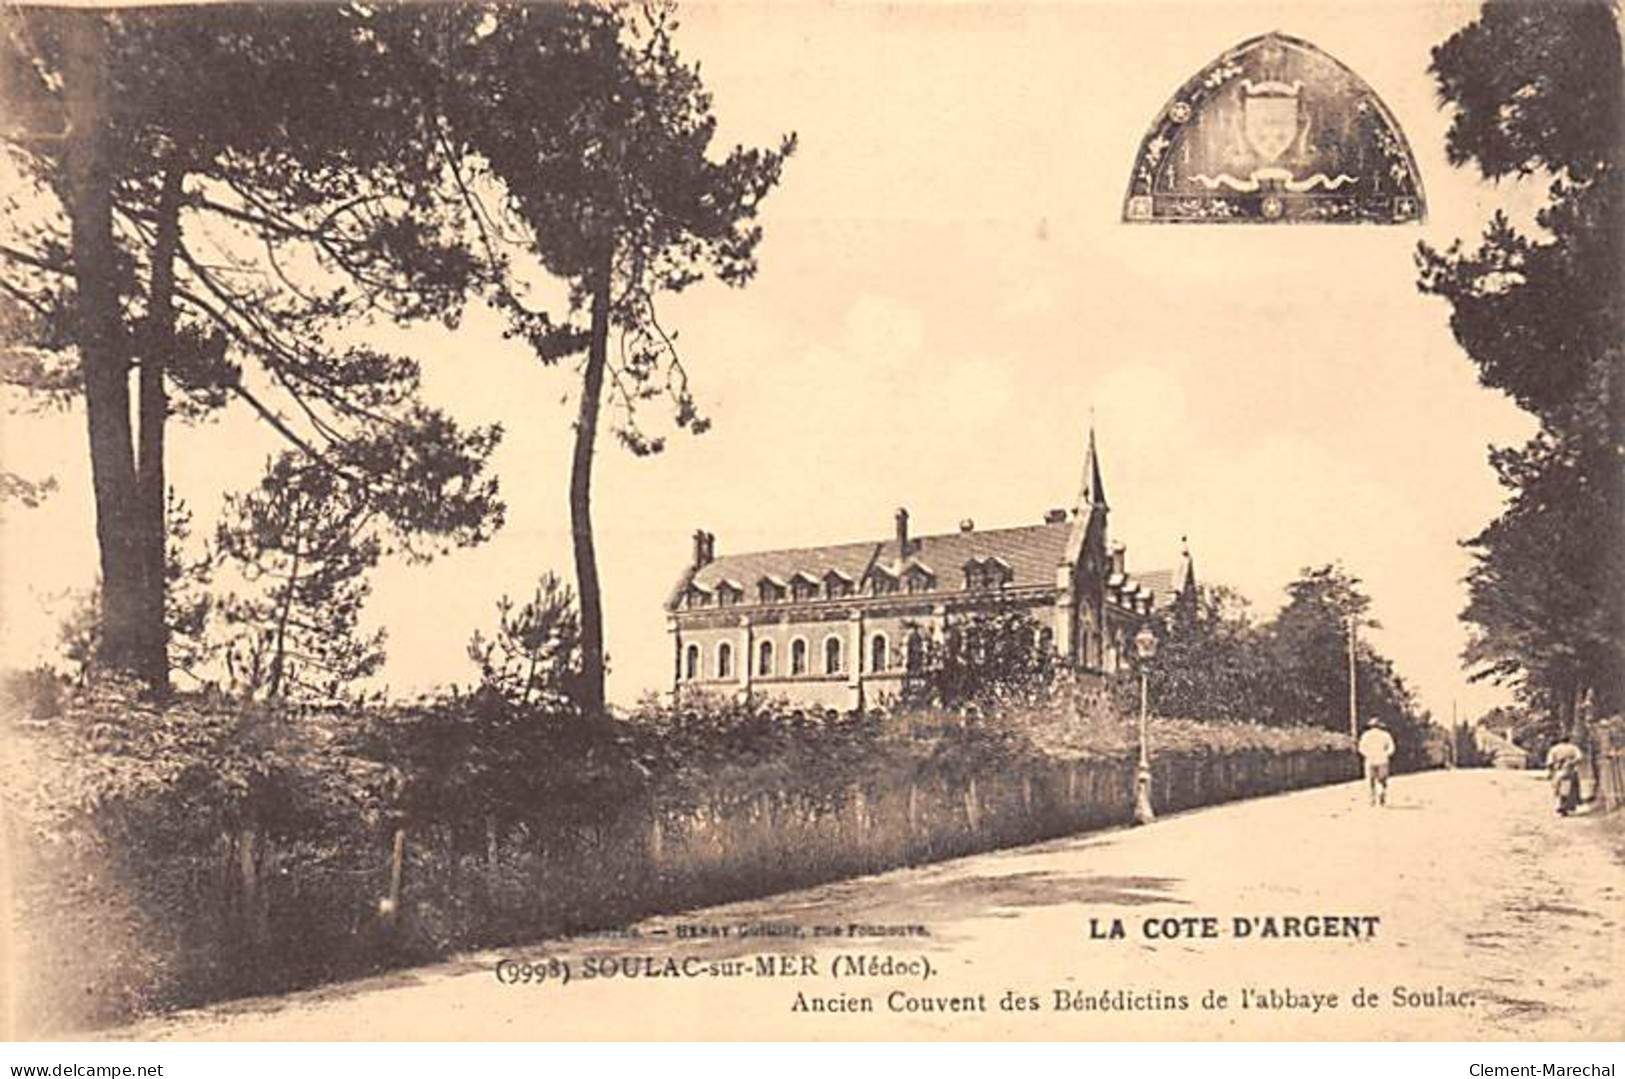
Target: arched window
(691, 662)
(877, 652)
(764, 659)
(798, 656)
(916, 652)
(725, 660)
(832, 655)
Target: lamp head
(1145, 644)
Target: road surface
(1463, 910)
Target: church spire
(1185, 576)
(1093, 492)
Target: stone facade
(839, 626)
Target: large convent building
(840, 626)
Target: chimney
(704, 548)
(1055, 517)
(1119, 558)
(902, 532)
(967, 525)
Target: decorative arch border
(1314, 199)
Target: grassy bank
(171, 857)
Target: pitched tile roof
(748, 568)
(1164, 585)
(1160, 581)
(1031, 551)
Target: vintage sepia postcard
(989, 521)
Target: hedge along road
(1465, 909)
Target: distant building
(839, 626)
(1499, 749)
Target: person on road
(1563, 768)
(1376, 748)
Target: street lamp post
(1354, 693)
(1145, 646)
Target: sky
(946, 300)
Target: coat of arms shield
(1269, 117)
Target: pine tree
(306, 546)
(533, 659)
(621, 196)
(210, 194)
(1537, 89)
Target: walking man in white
(1376, 749)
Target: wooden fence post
(657, 842)
(973, 814)
(390, 908)
(255, 910)
(248, 878)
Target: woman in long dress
(1563, 768)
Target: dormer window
(698, 596)
(803, 588)
(770, 591)
(987, 573)
(882, 583)
(729, 594)
(837, 584)
(918, 579)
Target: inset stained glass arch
(1274, 131)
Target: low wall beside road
(111, 929)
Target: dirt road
(1463, 910)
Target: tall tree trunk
(158, 342)
(591, 693)
(104, 353)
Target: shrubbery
(212, 849)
